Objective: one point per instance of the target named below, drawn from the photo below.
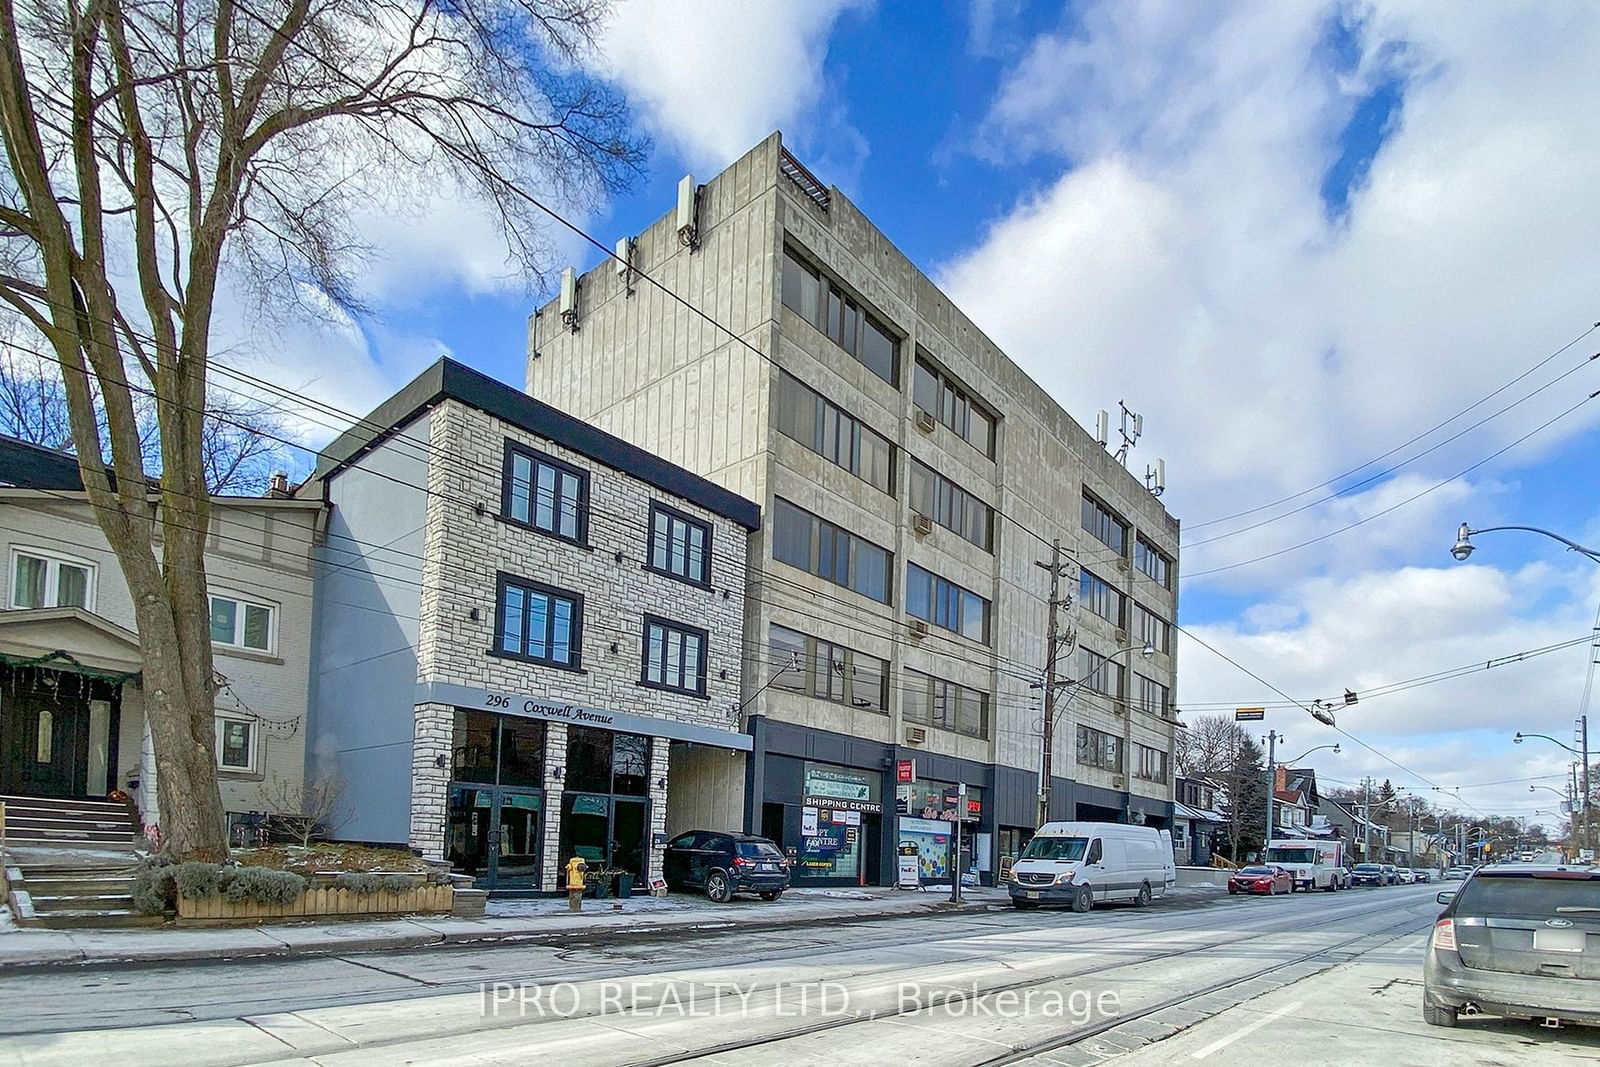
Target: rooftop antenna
(1102, 428)
(1155, 478)
(1130, 429)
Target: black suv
(723, 864)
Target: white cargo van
(1086, 863)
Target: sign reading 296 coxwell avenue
(466, 696)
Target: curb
(78, 957)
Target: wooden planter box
(317, 902)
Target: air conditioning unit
(916, 735)
(1119, 781)
(569, 299)
(925, 421)
(919, 628)
(1121, 638)
(921, 523)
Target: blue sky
(1294, 236)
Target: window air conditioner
(925, 421)
(1119, 781)
(915, 735)
(919, 628)
(921, 523)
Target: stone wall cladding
(465, 552)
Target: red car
(1268, 880)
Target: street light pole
(1272, 787)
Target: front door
(495, 834)
(42, 744)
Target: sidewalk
(534, 920)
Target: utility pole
(1588, 826)
(1272, 786)
(1052, 650)
(1366, 820)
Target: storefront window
(937, 800)
(838, 803)
(497, 749)
(603, 818)
(932, 839)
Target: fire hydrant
(575, 870)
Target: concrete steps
(49, 819)
(70, 863)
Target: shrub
(363, 883)
(197, 880)
(262, 885)
(155, 887)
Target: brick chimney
(278, 485)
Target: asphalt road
(1311, 977)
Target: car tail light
(740, 861)
(1444, 934)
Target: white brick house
(528, 633)
(71, 718)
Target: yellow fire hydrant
(575, 870)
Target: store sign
(905, 770)
(842, 788)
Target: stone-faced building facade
(528, 636)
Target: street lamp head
(1517, 739)
(1463, 546)
(1148, 650)
(1336, 750)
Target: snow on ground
(7, 924)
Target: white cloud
(1184, 258)
(711, 79)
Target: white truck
(1313, 864)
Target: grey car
(1521, 941)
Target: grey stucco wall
(364, 665)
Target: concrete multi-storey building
(72, 723)
(527, 636)
(768, 337)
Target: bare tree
(155, 145)
(242, 440)
(306, 811)
(1216, 747)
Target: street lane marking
(1245, 1031)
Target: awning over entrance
(69, 639)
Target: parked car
(722, 864)
(1341, 877)
(1263, 878)
(1520, 941)
(1405, 876)
(1391, 874)
(1457, 874)
(1085, 863)
(1368, 874)
(1422, 874)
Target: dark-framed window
(941, 396)
(1097, 748)
(1104, 524)
(1102, 598)
(821, 302)
(1154, 563)
(947, 705)
(1151, 628)
(674, 656)
(946, 604)
(538, 623)
(497, 749)
(827, 670)
(545, 494)
(834, 434)
(1150, 695)
(1149, 763)
(818, 547)
(601, 761)
(949, 505)
(680, 546)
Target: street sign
(905, 770)
(1249, 714)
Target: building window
(934, 495)
(834, 434)
(236, 745)
(1150, 695)
(942, 397)
(802, 540)
(538, 624)
(1099, 673)
(1155, 564)
(41, 580)
(239, 623)
(1100, 521)
(1151, 628)
(1096, 748)
(1149, 763)
(947, 705)
(679, 546)
(945, 604)
(674, 656)
(830, 309)
(545, 494)
(1101, 598)
(829, 671)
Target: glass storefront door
(604, 812)
(494, 835)
(495, 815)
